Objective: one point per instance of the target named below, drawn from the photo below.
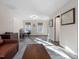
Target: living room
(44, 19)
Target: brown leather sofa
(8, 48)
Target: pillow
(1, 41)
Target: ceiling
(42, 8)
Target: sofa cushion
(1, 41)
(7, 49)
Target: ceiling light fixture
(34, 16)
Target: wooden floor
(35, 51)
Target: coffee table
(35, 51)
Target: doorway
(57, 26)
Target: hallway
(54, 51)
(52, 23)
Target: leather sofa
(9, 35)
(8, 48)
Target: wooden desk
(35, 51)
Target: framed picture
(51, 23)
(68, 17)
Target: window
(28, 26)
(40, 27)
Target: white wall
(6, 20)
(17, 24)
(51, 33)
(69, 32)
